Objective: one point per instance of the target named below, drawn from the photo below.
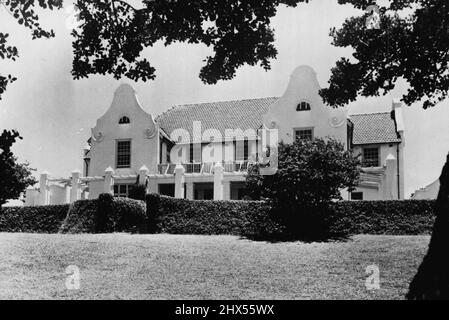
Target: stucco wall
(59, 194)
(324, 120)
(384, 151)
(428, 193)
(142, 131)
(369, 193)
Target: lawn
(122, 266)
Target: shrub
(39, 219)
(152, 215)
(181, 216)
(257, 220)
(403, 217)
(138, 192)
(128, 215)
(107, 214)
(104, 209)
(81, 217)
(310, 175)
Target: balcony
(205, 167)
(369, 163)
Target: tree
(15, 177)
(432, 278)
(411, 44)
(112, 35)
(23, 11)
(310, 175)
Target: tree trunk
(432, 279)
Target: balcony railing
(367, 163)
(205, 167)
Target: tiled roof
(369, 128)
(239, 114)
(374, 128)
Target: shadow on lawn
(313, 225)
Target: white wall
(59, 194)
(324, 120)
(142, 131)
(428, 193)
(369, 193)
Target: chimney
(397, 114)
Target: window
(123, 154)
(245, 149)
(122, 190)
(124, 120)
(167, 189)
(241, 150)
(370, 157)
(304, 134)
(303, 106)
(357, 196)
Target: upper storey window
(124, 120)
(303, 106)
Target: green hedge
(39, 219)
(106, 214)
(256, 219)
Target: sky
(55, 113)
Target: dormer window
(303, 106)
(124, 120)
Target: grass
(122, 266)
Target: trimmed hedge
(252, 219)
(128, 215)
(105, 215)
(255, 219)
(39, 219)
(81, 217)
(181, 216)
(403, 217)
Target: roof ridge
(223, 101)
(212, 102)
(369, 113)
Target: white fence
(67, 190)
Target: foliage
(257, 220)
(182, 216)
(106, 214)
(138, 192)
(412, 43)
(15, 177)
(432, 281)
(39, 219)
(23, 11)
(81, 217)
(112, 35)
(392, 217)
(310, 173)
(103, 211)
(128, 215)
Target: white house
(202, 151)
